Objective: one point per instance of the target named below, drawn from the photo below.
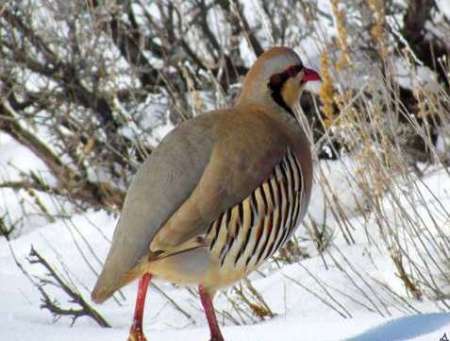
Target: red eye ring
(293, 70)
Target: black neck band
(277, 82)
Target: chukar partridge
(219, 195)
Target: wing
(161, 185)
(247, 149)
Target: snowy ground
(360, 310)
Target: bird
(219, 195)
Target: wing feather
(161, 185)
(242, 158)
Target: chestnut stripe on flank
(275, 184)
(268, 226)
(245, 228)
(296, 213)
(297, 171)
(264, 198)
(253, 212)
(223, 227)
(211, 226)
(258, 234)
(268, 229)
(257, 201)
(241, 213)
(218, 223)
(282, 208)
(234, 229)
(292, 198)
(240, 228)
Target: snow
(416, 327)
(444, 7)
(360, 307)
(420, 327)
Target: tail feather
(107, 286)
(108, 282)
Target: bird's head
(277, 78)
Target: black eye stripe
(294, 70)
(277, 81)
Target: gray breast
(253, 230)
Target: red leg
(207, 304)
(136, 332)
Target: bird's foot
(136, 334)
(217, 338)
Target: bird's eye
(276, 79)
(293, 70)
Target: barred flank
(253, 230)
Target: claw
(136, 335)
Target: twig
(75, 297)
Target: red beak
(310, 75)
